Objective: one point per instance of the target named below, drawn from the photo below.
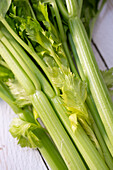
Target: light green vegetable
(49, 82)
(32, 87)
(58, 104)
(28, 131)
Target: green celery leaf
(37, 34)
(49, 48)
(74, 121)
(42, 8)
(108, 79)
(45, 36)
(4, 6)
(14, 87)
(57, 73)
(45, 39)
(26, 22)
(21, 99)
(21, 8)
(23, 131)
(36, 116)
(43, 17)
(73, 91)
(34, 31)
(5, 73)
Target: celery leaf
(23, 131)
(20, 8)
(5, 73)
(21, 99)
(73, 92)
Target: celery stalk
(90, 101)
(47, 148)
(96, 83)
(47, 114)
(90, 68)
(80, 139)
(81, 143)
(63, 35)
(28, 49)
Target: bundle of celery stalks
(48, 72)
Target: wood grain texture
(103, 33)
(12, 156)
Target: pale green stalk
(81, 140)
(28, 49)
(47, 148)
(92, 73)
(83, 144)
(96, 83)
(63, 36)
(47, 115)
(90, 101)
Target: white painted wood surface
(103, 34)
(12, 156)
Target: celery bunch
(39, 80)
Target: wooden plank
(103, 33)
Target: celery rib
(29, 50)
(59, 106)
(21, 61)
(47, 148)
(80, 139)
(97, 86)
(46, 87)
(46, 113)
(56, 131)
(16, 68)
(90, 102)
